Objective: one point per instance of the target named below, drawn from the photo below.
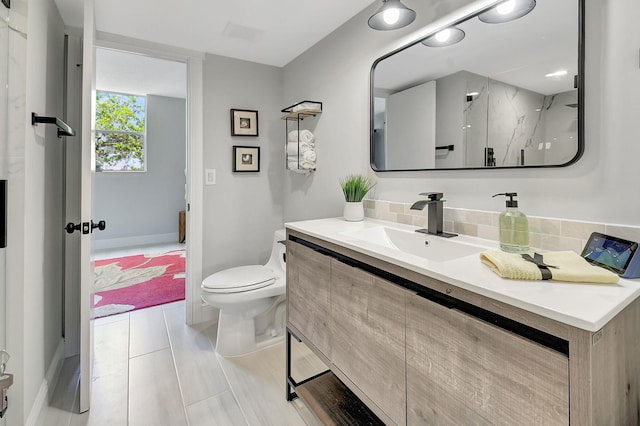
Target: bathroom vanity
(435, 337)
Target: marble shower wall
(544, 127)
(475, 112)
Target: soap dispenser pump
(514, 227)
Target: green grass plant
(355, 187)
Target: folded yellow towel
(570, 266)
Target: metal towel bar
(63, 128)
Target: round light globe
(443, 35)
(391, 16)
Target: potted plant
(355, 187)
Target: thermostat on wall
(612, 253)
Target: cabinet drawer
(461, 370)
(368, 342)
(309, 294)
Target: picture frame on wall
(246, 159)
(244, 122)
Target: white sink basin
(431, 247)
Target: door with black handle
(85, 227)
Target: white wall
(140, 206)
(598, 187)
(241, 210)
(34, 242)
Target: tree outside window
(120, 132)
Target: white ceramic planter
(353, 211)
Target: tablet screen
(609, 252)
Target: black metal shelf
(330, 400)
(312, 109)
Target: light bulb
(391, 16)
(443, 35)
(506, 7)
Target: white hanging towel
(305, 156)
(313, 106)
(304, 165)
(292, 147)
(305, 136)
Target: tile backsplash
(544, 233)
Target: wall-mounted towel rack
(300, 153)
(63, 128)
(447, 147)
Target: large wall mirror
(485, 94)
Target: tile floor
(150, 368)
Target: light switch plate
(210, 176)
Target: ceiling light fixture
(446, 37)
(507, 11)
(391, 16)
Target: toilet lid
(243, 278)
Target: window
(120, 132)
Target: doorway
(140, 181)
(81, 80)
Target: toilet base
(237, 331)
(236, 334)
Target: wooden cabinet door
(309, 294)
(368, 343)
(461, 370)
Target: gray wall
(241, 210)
(411, 121)
(450, 110)
(336, 71)
(146, 204)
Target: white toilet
(251, 302)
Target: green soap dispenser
(514, 227)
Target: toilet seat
(240, 279)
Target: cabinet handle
(448, 291)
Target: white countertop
(586, 306)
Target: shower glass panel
(4, 154)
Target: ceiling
(272, 32)
(139, 75)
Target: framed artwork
(246, 158)
(244, 122)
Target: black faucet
(435, 216)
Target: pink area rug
(128, 283)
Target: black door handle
(86, 227)
(101, 225)
(71, 227)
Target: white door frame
(196, 311)
(86, 204)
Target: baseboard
(142, 240)
(207, 313)
(41, 402)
